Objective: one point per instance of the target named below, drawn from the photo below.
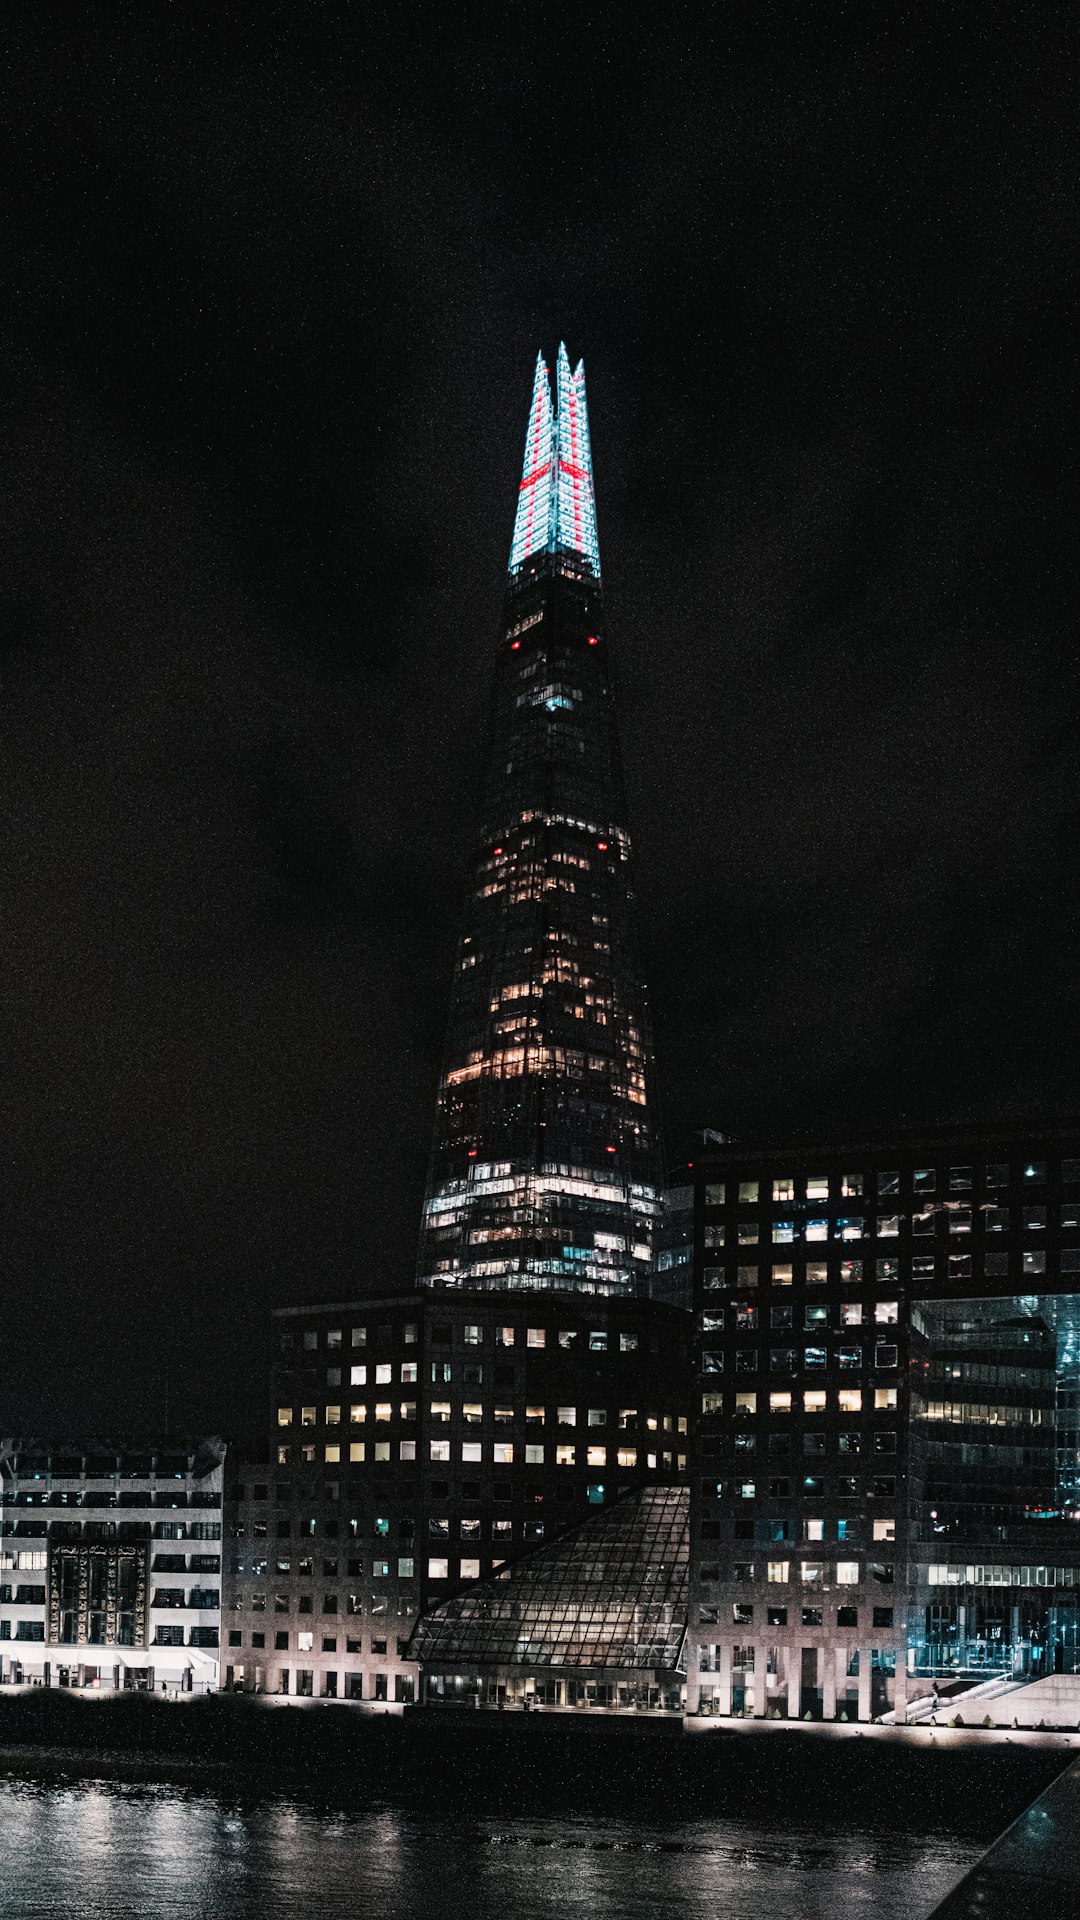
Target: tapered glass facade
(544, 1171)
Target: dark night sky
(272, 302)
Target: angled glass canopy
(609, 1594)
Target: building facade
(884, 1495)
(545, 1164)
(419, 1443)
(110, 1566)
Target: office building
(884, 1497)
(110, 1565)
(420, 1442)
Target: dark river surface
(203, 1848)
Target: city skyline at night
(539, 1042)
(272, 329)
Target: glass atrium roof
(612, 1593)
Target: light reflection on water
(101, 1850)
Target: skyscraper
(544, 1171)
(433, 1437)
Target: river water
(99, 1849)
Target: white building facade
(110, 1566)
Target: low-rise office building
(885, 1490)
(110, 1565)
(419, 1442)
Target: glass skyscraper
(544, 1171)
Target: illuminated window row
(566, 1454)
(743, 1316)
(923, 1180)
(842, 1573)
(792, 1359)
(357, 1451)
(812, 1400)
(817, 1273)
(985, 1414)
(983, 1575)
(332, 1339)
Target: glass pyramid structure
(612, 1594)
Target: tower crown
(556, 510)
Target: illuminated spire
(556, 508)
(532, 525)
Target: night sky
(272, 300)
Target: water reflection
(102, 1850)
